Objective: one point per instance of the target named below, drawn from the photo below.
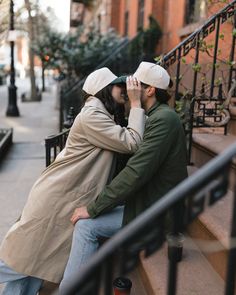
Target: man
(159, 165)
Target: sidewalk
(26, 159)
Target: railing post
(231, 268)
(178, 74)
(48, 152)
(192, 104)
(215, 57)
(177, 222)
(61, 116)
(232, 51)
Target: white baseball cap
(97, 80)
(153, 75)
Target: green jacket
(159, 165)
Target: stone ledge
(213, 144)
(216, 143)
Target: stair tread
(217, 218)
(216, 143)
(195, 274)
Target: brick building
(177, 18)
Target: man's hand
(79, 213)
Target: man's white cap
(97, 80)
(153, 75)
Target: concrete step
(195, 274)
(231, 128)
(211, 231)
(206, 146)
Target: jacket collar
(153, 108)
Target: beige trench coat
(39, 243)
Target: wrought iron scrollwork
(189, 44)
(171, 59)
(225, 15)
(212, 191)
(149, 240)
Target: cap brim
(119, 80)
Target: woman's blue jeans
(86, 241)
(18, 284)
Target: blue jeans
(18, 284)
(86, 241)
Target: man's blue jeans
(86, 241)
(18, 284)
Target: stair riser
(200, 156)
(218, 260)
(145, 280)
(231, 128)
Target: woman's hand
(134, 91)
(79, 213)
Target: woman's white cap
(153, 75)
(97, 80)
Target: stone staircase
(214, 224)
(202, 270)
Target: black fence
(54, 144)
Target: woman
(38, 245)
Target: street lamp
(12, 109)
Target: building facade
(177, 19)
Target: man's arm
(139, 169)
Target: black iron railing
(54, 144)
(147, 232)
(202, 67)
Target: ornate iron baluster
(214, 58)
(193, 99)
(232, 51)
(231, 268)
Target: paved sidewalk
(26, 159)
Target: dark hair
(106, 98)
(162, 95)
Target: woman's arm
(102, 131)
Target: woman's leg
(18, 284)
(85, 241)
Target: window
(195, 11)
(126, 23)
(140, 14)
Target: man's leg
(85, 240)
(18, 284)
